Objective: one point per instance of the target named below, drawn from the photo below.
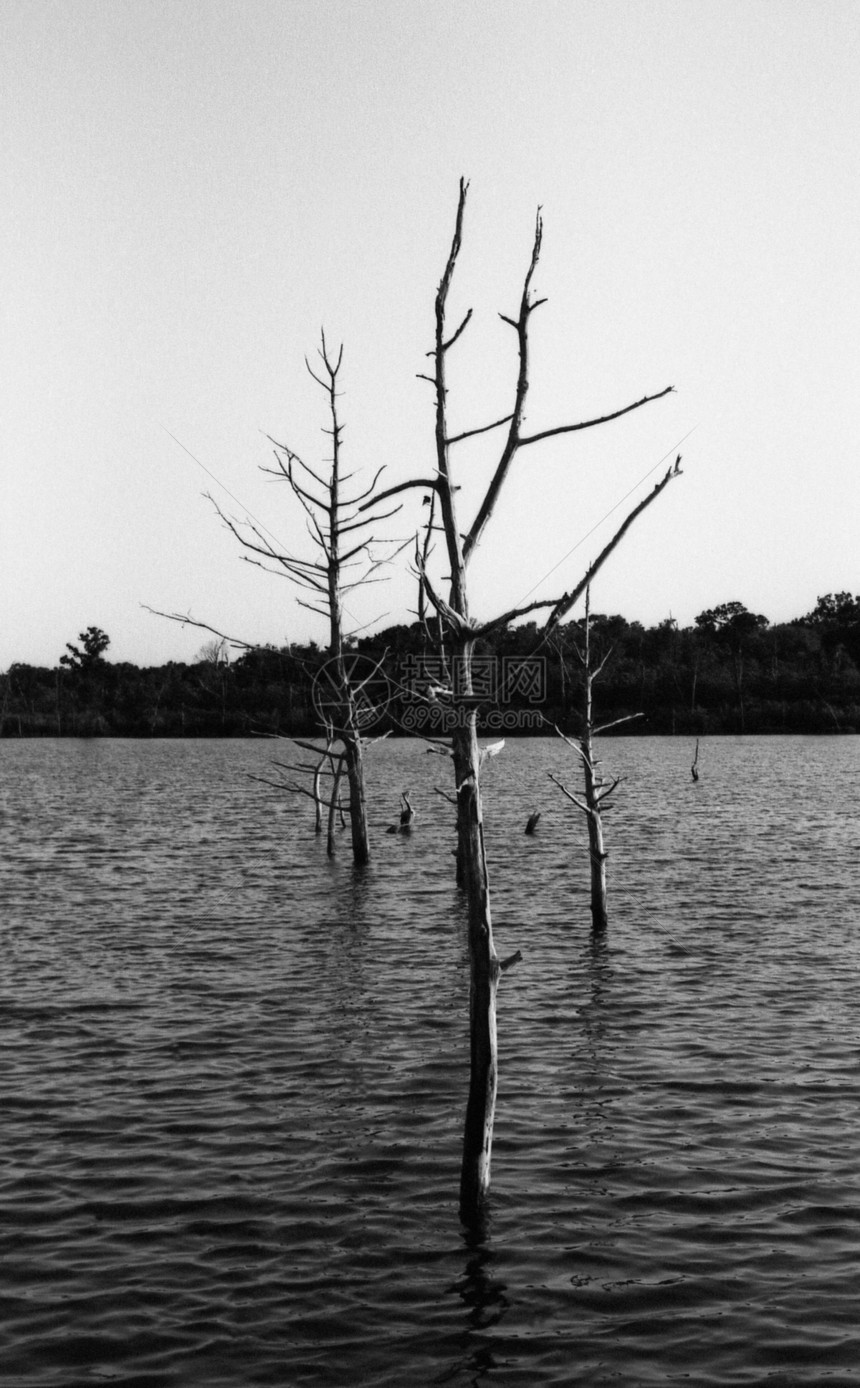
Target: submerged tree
(331, 516)
(343, 702)
(597, 787)
(463, 633)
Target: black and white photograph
(429, 683)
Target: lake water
(234, 1074)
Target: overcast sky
(193, 188)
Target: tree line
(732, 671)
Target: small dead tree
(328, 763)
(331, 517)
(463, 633)
(334, 524)
(597, 788)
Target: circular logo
(370, 692)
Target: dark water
(234, 1073)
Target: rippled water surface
(234, 1075)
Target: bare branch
(485, 510)
(353, 631)
(445, 282)
(303, 580)
(309, 746)
(452, 799)
(628, 718)
(362, 582)
(603, 792)
(186, 620)
(312, 565)
(304, 766)
(318, 535)
(506, 617)
(600, 667)
(445, 490)
(313, 607)
(461, 625)
(361, 496)
(312, 373)
(566, 603)
(265, 547)
(508, 963)
(293, 457)
(485, 429)
(590, 423)
(452, 340)
(428, 483)
(425, 555)
(305, 495)
(373, 673)
(570, 742)
(346, 527)
(580, 804)
(298, 790)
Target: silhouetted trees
(836, 617)
(834, 611)
(801, 676)
(731, 625)
(95, 642)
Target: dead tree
(597, 788)
(463, 632)
(332, 516)
(329, 764)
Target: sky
(193, 189)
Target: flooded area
(234, 1074)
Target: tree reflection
(596, 1014)
(485, 1302)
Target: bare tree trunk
(332, 809)
(317, 802)
(597, 789)
(357, 799)
(485, 967)
(593, 787)
(596, 849)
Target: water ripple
(234, 1076)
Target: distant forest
(731, 672)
